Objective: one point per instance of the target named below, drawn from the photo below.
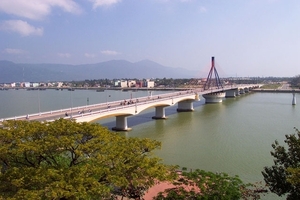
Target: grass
(271, 86)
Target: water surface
(234, 136)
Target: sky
(248, 38)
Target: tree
(68, 160)
(295, 82)
(283, 177)
(201, 184)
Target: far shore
(277, 90)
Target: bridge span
(122, 109)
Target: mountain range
(114, 69)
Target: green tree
(283, 177)
(68, 160)
(295, 82)
(201, 184)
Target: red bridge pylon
(213, 81)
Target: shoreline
(277, 90)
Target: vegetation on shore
(65, 160)
(283, 178)
(200, 184)
(295, 82)
(68, 160)
(271, 86)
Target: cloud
(64, 55)
(36, 9)
(109, 53)
(14, 51)
(20, 27)
(89, 55)
(99, 3)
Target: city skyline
(247, 38)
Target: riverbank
(277, 90)
(97, 89)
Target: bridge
(122, 109)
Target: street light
(71, 101)
(39, 101)
(107, 95)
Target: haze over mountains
(114, 69)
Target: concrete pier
(160, 112)
(230, 93)
(294, 99)
(121, 123)
(185, 106)
(214, 97)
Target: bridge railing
(141, 101)
(114, 105)
(81, 108)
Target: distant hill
(114, 69)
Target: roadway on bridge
(76, 112)
(92, 109)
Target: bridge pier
(216, 97)
(294, 99)
(160, 112)
(121, 123)
(230, 93)
(185, 106)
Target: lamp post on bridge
(71, 101)
(39, 101)
(107, 95)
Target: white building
(35, 84)
(59, 84)
(148, 84)
(131, 83)
(121, 83)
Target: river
(234, 136)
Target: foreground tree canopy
(68, 160)
(283, 178)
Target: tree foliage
(295, 82)
(284, 176)
(68, 160)
(201, 184)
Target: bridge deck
(82, 111)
